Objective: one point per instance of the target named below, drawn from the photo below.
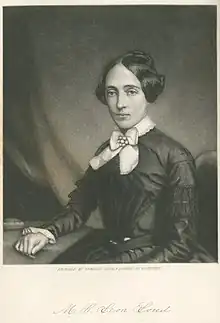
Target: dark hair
(142, 66)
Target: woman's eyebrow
(131, 86)
(111, 87)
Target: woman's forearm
(65, 223)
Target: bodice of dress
(121, 198)
(155, 205)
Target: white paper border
(30, 293)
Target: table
(45, 256)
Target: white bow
(125, 145)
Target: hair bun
(141, 64)
(145, 57)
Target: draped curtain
(28, 136)
(53, 57)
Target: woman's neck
(143, 126)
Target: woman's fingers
(26, 231)
(38, 247)
(31, 243)
(26, 244)
(17, 245)
(21, 247)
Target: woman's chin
(124, 124)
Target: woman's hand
(31, 243)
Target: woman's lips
(122, 115)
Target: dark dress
(149, 215)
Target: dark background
(53, 57)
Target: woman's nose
(121, 102)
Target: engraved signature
(92, 308)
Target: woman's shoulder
(104, 145)
(167, 148)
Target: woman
(142, 181)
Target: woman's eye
(131, 92)
(111, 93)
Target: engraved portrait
(110, 134)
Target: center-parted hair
(142, 65)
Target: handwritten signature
(92, 308)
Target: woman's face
(125, 97)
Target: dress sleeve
(82, 201)
(182, 215)
(182, 212)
